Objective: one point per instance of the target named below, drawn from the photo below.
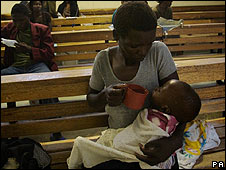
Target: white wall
(7, 5)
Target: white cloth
(198, 135)
(92, 153)
(168, 24)
(141, 131)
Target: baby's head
(176, 98)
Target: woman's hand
(115, 94)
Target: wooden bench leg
(12, 105)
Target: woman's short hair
(21, 9)
(134, 15)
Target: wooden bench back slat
(213, 91)
(198, 8)
(211, 38)
(85, 47)
(51, 126)
(82, 20)
(199, 29)
(68, 57)
(196, 47)
(46, 111)
(198, 15)
(84, 27)
(204, 21)
(81, 36)
(213, 106)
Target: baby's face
(167, 96)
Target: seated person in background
(50, 7)
(38, 15)
(163, 9)
(34, 50)
(68, 9)
(174, 102)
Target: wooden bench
(197, 40)
(104, 21)
(110, 11)
(81, 45)
(84, 45)
(107, 11)
(205, 37)
(76, 114)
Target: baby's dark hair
(21, 9)
(189, 103)
(134, 15)
(193, 101)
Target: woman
(138, 59)
(163, 9)
(38, 15)
(69, 9)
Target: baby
(174, 102)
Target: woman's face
(135, 46)
(37, 6)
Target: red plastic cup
(135, 96)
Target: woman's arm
(170, 77)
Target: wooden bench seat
(76, 115)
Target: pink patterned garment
(166, 122)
